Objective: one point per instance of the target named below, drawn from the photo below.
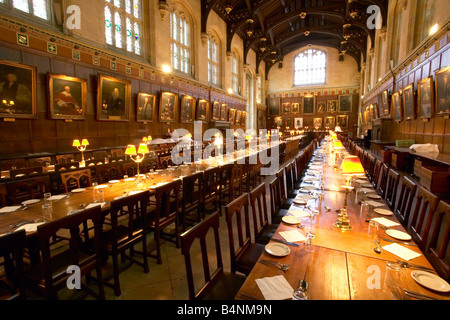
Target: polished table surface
(344, 265)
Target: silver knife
(286, 242)
(401, 242)
(418, 295)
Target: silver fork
(404, 264)
(280, 266)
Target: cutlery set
(278, 265)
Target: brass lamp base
(343, 221)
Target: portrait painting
(342, 121)
(425, 97)
(409, 103)
(397, 106)
(345, 103)
(216, 111)
(145, 107)
(442, 85)
(308, 105)
(332, 106)
(67, 97)
(286, 108)
(330, 123)
(243, 117)
(317, 123)
(187, 114)
(274, 106)
(231, 115)
(114, 98)
(298, 123)
(238, 116)
(17, 90)
(295, 107)
(168, 107)
(278, 122)
(202, 110)
(289, 123)
(385, 104)
(223, 112)
(321, 106)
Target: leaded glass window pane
(310, 67)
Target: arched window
(123, 24)
(259, 89)
(180, 48)
(235, 85)
(37, 8)
(213, 60)
(397, 33)
(250, 104)
(310, 67)
(424, 17)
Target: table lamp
(351, 166)
(142, 150)
(81, 147)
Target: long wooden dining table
(344, 264)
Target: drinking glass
(47, 202)
(100, 195)
(47, 210)
(365, 211)
(94, 191)
(309, 245)
(299, 294)
(373, 229)
(391, 280)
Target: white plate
(113, 181)
(400, 235)
(277, 249)
(309, 187)
(32, 201)
(430, 281)
(130, 179)
(384, 212)
(300, 201)
(291, 220)
(374, 196)
(102, 186)
(368, 185)
(78, 190)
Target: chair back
(381, 187)
(289, 178)
(168, 202)
(210, 275)
(422, 214)
(437, 248)
(26, 173)
(211, 187)
(275, 195)
(129, 168)
(39, 162)
(192, 193)
(405, 200)
(64, 158)
(165, 162)
(12, 247)
(376, 173)
(391, 187)
(76, 179)
(259, 209)
(63, 167)
(26, 189)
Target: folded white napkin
(275, 288)
(375, 203)
(299, 213)
(91, 205)
(9, 209)
(58, 197)
(402, 252)
(30, 227)
(386, 222)
(292, 236)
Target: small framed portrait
(231, 115)
(375, 111)
(342, 121)
(216, 111)
(298, 123)
(17, 90)
(187, 114)
(286, 108)
(397, 106)
(202, 110)
(295, 107)
(409, 103)
(243, 117)
(345, 103)
(274, 106)
(145, 107)
(425, 97)
(385, 105)
(238, 116)
(168, 107)
(332, 106)
(321, 106)
(317, 123)
(278, 122)
(308, 105)
(330, 123)
(289, 123)
(67, 97)
(442, 86)
(223, 112)
(114, 99)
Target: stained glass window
(180, 46)
(235, 72)
(38, 8)
(122, 24)
(310, 67)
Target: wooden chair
(225, 183)
(376, 173)
(285, 200)
(128, 221)
(218, 284)
(107, 172)
(422, 214)
(12, 285)
(64, 158)
(129, 168)
(192, 198)
(437, 247)
(64, 167)
(381, 187)
(49, 275)
(166, 213)
(76, 179)
(290, 186)
(277, 213)
(393, 178)
(39, 162)
(211, 192)
(405, 200)
(13, 164)
(244, 253)
(236, 187)
(165, 162)
(26, 173)
(27, 189)
(115, 153)
(263, 230)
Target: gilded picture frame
(67, 97)
(168, 107)
(145, 107)
(113, 98)
(187, 112)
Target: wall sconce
(302, 15)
